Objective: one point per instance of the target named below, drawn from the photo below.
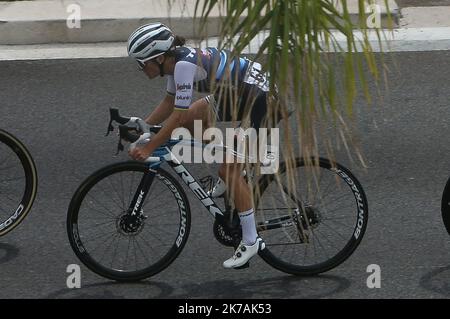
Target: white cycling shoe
(243, 254)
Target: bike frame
(164, 154)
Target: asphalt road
(59, 110)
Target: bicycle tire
(445, 206)
(360, 219)
(76, 238)
(22, 205)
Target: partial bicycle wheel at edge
(445, 206)
(315, 224)
(18, 182)
(97, 234)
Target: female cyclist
(160, 53)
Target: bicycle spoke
(291, 196)
(147, 244)
(130, 198)
(112, 198)
(340, 209)
(157, 238)
(346, 226)
(118, 195)
(319, 242)
(126, 257)
(328, 240)
(122, 192)
(337, 199)
(158, 196)
(99, 236)
(135, 256)
(98, 225)
(107, 211)
(115, 253)
(107, 247)
(335, 231)
(286, 244)
(327, 190)
(335, 218)
(277, 199)
(142, 251)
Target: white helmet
(150, 41)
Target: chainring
(227, 236)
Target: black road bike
(130, 220)
(18, 182)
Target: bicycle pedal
(244, 266)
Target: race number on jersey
(255, 76)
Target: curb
(43, 22)
(91, 31)
(400, 40)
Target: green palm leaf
(319, 87)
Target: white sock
(248, 227)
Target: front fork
(134, 214)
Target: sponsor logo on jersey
(184, 87)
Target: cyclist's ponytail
(178, 42)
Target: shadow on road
(282, 287)
(278, 287)
(114, 290)
(10, 252)
(437, 281)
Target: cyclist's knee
(197, 111)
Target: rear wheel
(103, 240)
(311, 219)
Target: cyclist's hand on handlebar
(139, 153)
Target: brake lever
(120, 146)
(110, 127)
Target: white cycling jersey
(195, 68)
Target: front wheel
(445, 206)
(18, 182)
(102, 238)
(311, 217)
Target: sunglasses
(141, 64)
